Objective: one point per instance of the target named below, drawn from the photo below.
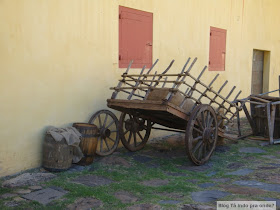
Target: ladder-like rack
(139, 86)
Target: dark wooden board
(162, 113)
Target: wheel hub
(133, 126)
(105, 132)
(207, 134)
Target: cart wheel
(201, 134)
(107, 123)
(134, 131)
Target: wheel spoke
(200, 152)
(101, 144)
(111, 123)
(196, 129)
(134, 136)
(129, 137)
(99, 119)
(197, 146)
(111, 139)
(114, 131)
(199, 123)
(106, 144)
(139, 134)
(204, 150)
(195, 140)
(203, 119)
(207, 117)
(104, 124)
(124, 132)
(208, 146)
(210, 122)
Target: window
(135, 37)
(217, 49)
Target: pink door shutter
(135, 37)
(217, 52)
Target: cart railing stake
(164, 82)
(237, 95)
(153, 66)
(115, 93)
(189, 69)
(222, 104)
(197, 81)
(136, 83)
(149, 90)
(203, 94)
(177, 85)
(166, 70)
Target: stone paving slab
(201, 168)
(155, 182)
(142, 158)
(12, 203)
(206, 185)
(76, 168)
(235, 165)
(113, 160)
(58, 189)
(222, 180)
(36, 187)
(172, 195)
(176, 174)
(152, 165)
(170, 202)
(251, 150)
(269, 157)
(212, 173)
(208, 196)
(260, 185)
(8, 195)
(23, 191)
(44, 196)
(126, 197)
(241, 172)
(145, 206)
(85, 204)
(92, 180)
(222, 149)
(242, 190)
(28, 179)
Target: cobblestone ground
(158, 177)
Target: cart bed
(160, 112)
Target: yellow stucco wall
(58, 58)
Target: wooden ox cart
(177, 102)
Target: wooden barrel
(57, 155)
(88, 142)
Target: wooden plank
(251, 122)
(260, 99)
(258, 138)
(271, 120)
(238, 124)
(147, 105)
